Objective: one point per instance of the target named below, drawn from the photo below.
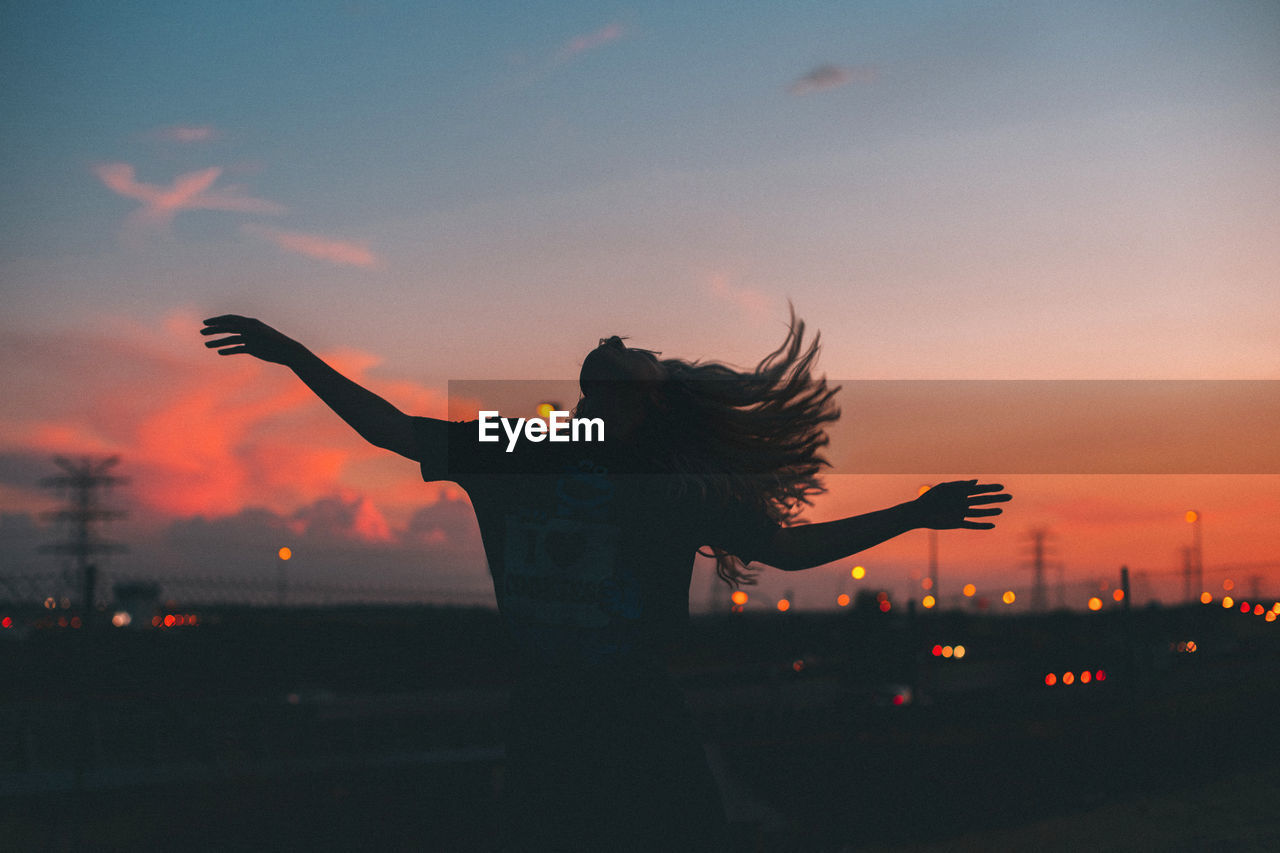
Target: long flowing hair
(747, 437)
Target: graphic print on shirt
(557, 570)
(564, 589)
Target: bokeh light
(929, 601)
(1008, 597)
(1095, 603)
(858, 573)
(969, 590)
(285, 553)
(739, 597)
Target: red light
(75, 621)
(798, 665)
(898, 699)
(7, 621)
(937, 651)
(169, 620)
(1068, 678)
(1100, 675)
(1086, 677)
(884, 606)
(1051, 679)
(1244, 607)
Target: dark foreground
(341, 730)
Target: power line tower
(85, 479)
(1038, 564)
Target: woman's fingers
(982, 512)
(222, 342)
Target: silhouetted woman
(591, 548)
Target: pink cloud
(831, 77)
(341, 252)
(189, 191)
(589, 41)
(749, 300)
(188, 133)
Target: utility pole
(85, 479)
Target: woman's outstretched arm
(946, 506)
(376, 420)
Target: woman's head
(747, 436)
(620, 385)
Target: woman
(591, 548)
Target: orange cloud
(341, 252)
(826, 77)
(209, 436)
(189, 191)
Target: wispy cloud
(828, 76)
(321, 248)
(189, 191)
(589, 41)
(751, 301)
(188, 133)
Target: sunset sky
(434, 192)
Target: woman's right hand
(251, 336)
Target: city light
(1008, 597)
(1068, 678)
(1086, 677)
(285, 553)
(1050, 679)
(858, 573)
(947, 651)
(959, 652)
(1192, 516)
(937, 651)
(1228, 584)
(1206, 598)
(783, 605)
(969, 590)
(739, 597)
(928, 602)
(121, 618)
(1118, 595)
(1227, 602)
(1095, 603)
(842, 599)
(926, 583)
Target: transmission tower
(84, 479)
(1039, 561)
